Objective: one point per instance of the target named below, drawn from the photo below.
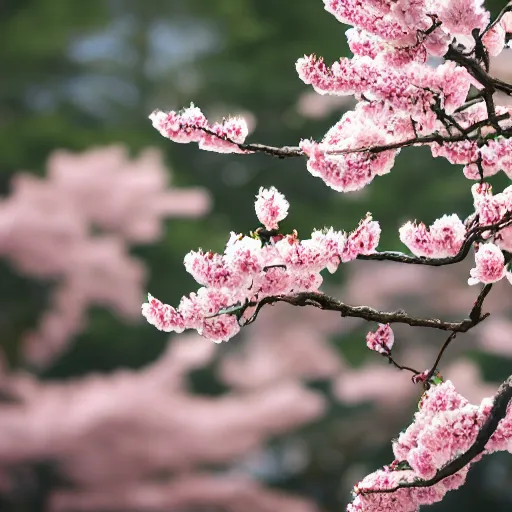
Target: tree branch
(295, 151)
(327, 303)
(497, 413)
(471, 236)
(430, 139)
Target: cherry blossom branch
(295, 151)
(430, 139)
(423, 106)
(477, 72)
(471, 237)
(496, 414)
(327, 303)
(279, 152)
(464, 134)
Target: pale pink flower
(345, 172)
(245, 256)
(233, 129)
(490, 265)
(220, 328)
(331, 244)
(271, 207)
(190, 125)
(443, 239)
(181, 127)
(381, 340)
(367, 16)
(460, 17)
(363, 240)
(162, 316)
(494, 39)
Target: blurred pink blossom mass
(76, 226)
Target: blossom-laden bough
(404, 98)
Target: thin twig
(399, 366)
(280, 152)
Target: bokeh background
(99, 411)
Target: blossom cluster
(491, 209)
(447, 235)
(401, 94)
(381, 340)
(444, 238)
(492, 156)
(445, 426)
(191, 125)
(69, 228)
(264, 264)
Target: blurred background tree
(79, 75)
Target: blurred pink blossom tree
(76, 226)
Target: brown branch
(469, 103)
(471, 236)
(496, 414)
(295, 151)
(477, 72)
(327, 303)
(280, 152)
(429, 139)
(475, 315)
(399, 366)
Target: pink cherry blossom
(271, 207)
(460, 17)
(381, 340)
(413, 64)
(363, 240)
(494, 40)
(445, 426)
(190, 125)
(442, 239)
(162, 316)
(490, 265)
(252, 268)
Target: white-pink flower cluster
(444, 238)
(271, 207)
(494, 40)
(400, 92)
(492, 209)
(489, 265)
(493, 156)
(397, 23)
(445, 426)
(190, 125)
(254, 267)
(381, 340)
